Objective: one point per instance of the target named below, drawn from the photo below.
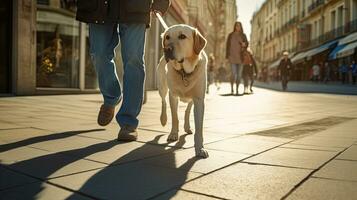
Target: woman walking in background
(236, 41)
(210, 71)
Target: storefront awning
(347, 51)
(333, 54)
(299, 57)
(348, 39)
(312, 52)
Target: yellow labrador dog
(182, 73)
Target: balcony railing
(316, 4)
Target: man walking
(284, 68)
(111, 21)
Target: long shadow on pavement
(43, 138)
(138, 180)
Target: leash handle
(162, 22)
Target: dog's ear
(163, 39)
(199, 42)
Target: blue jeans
(237, 70)
(103, 41)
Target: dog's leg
(163, 89)
(187, 118)
(175, 122)
(199, 108)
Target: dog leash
(162, 22)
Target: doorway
(6, 45)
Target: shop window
(91, 81)
(57, 44)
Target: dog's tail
(163, 88)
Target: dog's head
(182, 42)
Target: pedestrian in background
(110, 22)
(315, 72)
(327, 72)
(354, 72)
(284, 68)
(236, 41)
(344, 72)
(210, 71)
(221, 75)
(250, 71)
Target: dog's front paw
(202, 153)
(172, 137)
(188, 131)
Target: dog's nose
(169, 49)
(169, 53)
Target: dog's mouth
(181, 61)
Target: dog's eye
(167, 37)
(182, 37)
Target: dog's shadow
(139, 180)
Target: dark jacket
(285, 66)
(228, 43)
(119, 11)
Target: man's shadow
(51, 163)
(137, 179)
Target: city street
(269, 145)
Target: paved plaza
(269, 145)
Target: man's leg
(132, 37)
(103, 40)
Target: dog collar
(184, 76)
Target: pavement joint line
(351, 160)
(272, 165)
(324, 150)
(7, 129)
(311, 174)
(192, 192)
(334, 179)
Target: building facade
(46, 51)
(310, 30)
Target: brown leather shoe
(106, 114)
(127, 134)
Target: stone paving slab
(181, 194)
(113, 152)
(247, 144)
(340, 170)
(349, 154)
(324, 189)
(127, 181)
(310, 147)
(325, 142)
(245, 181)
(17, 135)
(10, 179)
(40, 191)
(66, 143)
(185, 160)
(308, 159)
(44, 164)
